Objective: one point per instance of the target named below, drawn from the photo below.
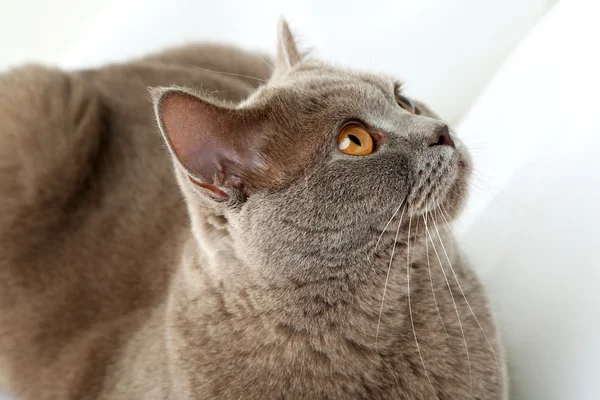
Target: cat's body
(107, 291)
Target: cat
(248, 228)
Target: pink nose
(442, 138)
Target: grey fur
(275, 292)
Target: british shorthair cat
(263, 232)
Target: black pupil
(405, 103)
(355, 140)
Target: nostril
(442, 138)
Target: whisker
(228, 73)
(463, 293)
(416, 233)
(455, 307)
(266, 63)
(381, 236)
(453, 273)
(431, 281)
(387, 278)
(444, 212)
(412, 321)
(212, 92)
(388, 224)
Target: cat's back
(91, 213)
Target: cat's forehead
(324, 76)
(322, 81)
(320, 88)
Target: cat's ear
(287, 51)
(215, 145)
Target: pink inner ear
(200, 135)
(221, 148)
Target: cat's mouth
(438, 183)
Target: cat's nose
(442, 138)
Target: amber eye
(355, 140)
(405, 103)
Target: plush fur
(240, 254)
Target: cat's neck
(222, 287)
(222, 309)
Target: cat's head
(311, 167)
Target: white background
(446, 50)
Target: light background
(446, 50)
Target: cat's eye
(355, 140)
(405, 103)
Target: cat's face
(294, 192)
(334, 206)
